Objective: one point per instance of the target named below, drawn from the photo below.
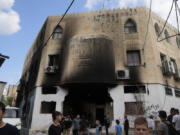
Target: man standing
(118, 128)
(170, 117)
(163, 128)
(141, 126)
(98, 128)
(55, 128)
(176, 120)
(107, 124)
(126, 125)
(76, 123)
(5, 128)
(67, 125)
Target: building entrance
(91, 102)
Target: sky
(21, 20)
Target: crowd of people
(169, 125)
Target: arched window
(130, 26)
(157, 29)
(57, 34)
(178, 41)
(166, 36)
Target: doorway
(90, 101)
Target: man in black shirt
(5, 128)
(67, 125)
(172, 113)
(126, 125)
(55, 128)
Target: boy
(55, 128)
(141, 126)
(5, 128)
(118, 128)
(98, 128)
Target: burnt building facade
(98, 64)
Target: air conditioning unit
(123, 74)
(166, 67)
(177, 75)
(51, 70)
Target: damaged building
(99, 64)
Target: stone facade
(93, 51)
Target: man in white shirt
(151, 125)
(176, 120)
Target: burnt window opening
(133, 58)
(157, 29)
(178, 41)
(168, 91)
(177, 93)
(130, 27)
(53, 60)
(134, 108)
(48, 107)
(57, 34)
(141, 89)
(49, 90)
(167, 36)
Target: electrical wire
(59, 22)
(176, 8)
(147, 29)
(166, 22)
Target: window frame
(178, 41)
(167, 92)
(157, 29)
(166, 34)
(177, 93)
(57, 33)
(132, 28)
(133, 64)
(55, 58)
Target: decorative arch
(57, 34)
(130, 26)
(157, 29)
(166, 36)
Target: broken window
(157, 29)
(130, 27)
(53, 60)
(168, 91)
(57, 34)
(134, 108)
(48, 107)
(177, 93)
(49, 90)
(167, 36)
(133, 58)
(178, 41)
(135, 89)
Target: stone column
(117, 95)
